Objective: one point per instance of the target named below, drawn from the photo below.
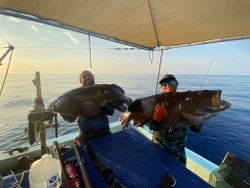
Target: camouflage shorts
(174, 142)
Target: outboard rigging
(10, 50)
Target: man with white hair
(97, 125)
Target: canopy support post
(158, 72)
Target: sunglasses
(170, 82)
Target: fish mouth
(56, 106)
(68, 118)
(224, 105)
(200, 116)
(221, 106)
(53, 107)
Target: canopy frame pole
(153, 25)
(158, 72)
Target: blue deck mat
(137, 162)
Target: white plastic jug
(45, 172)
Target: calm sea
(228, 131)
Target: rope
(170, 67)
(6, 72)
(151, 56)
(211, 63)
(153, 23)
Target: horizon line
(230, 74)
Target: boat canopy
(146, 24)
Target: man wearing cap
(173, 141)
(97, 125)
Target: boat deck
(136, 161)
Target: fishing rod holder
(38, 123)
(40, 119)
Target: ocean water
(228, 131)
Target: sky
(48, 49)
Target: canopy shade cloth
(143, 23)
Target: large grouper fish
(84, 101)
(185, 109)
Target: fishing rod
(209, 68)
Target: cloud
(21, 39)
(34, 28)
(44, 38)
(73, 39)
(204, 62)
(12, 19)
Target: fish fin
(68, 118)
(197, 119)
(118, 88)
(196, 128)
(141, 122)
(33, 132)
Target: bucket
(45, 172)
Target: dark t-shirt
(97, 122)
